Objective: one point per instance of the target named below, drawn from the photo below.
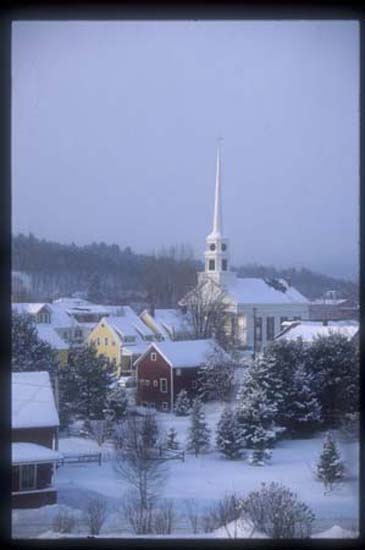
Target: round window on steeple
(224, 247)
(212, 246)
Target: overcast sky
(115, 128)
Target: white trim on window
(163, 385)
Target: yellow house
(121, 338)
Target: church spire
(217, 219)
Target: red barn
(34, 424)
(168, 367)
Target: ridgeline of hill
(108, 274)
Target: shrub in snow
(216, 377)
(229, 439)
(277, 512)
(163, 519)
(199, 433)
(192, 514)
(224, 512)
(171, 440)
(64, 521)
(182, 404)
(138, 515)
(330, 468)
(95, 514)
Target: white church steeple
(216, 255)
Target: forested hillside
(106, 273)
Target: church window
(224, 247)
(224, 265)
(270, 328)
(212, 246)
(211, 265)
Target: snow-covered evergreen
(199, 433)
(216, 376)
(330, 468)
(304, 410)
(28, 352)
(116, 402)
(85, 382)
(229, 439)
(256, 414)
(182, 404)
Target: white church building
(257, 306)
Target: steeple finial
(217, 219)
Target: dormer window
(212, 246)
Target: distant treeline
(109, 274)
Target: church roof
(251, 290)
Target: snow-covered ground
(206, 479)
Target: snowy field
(204, 479)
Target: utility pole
(254, 333)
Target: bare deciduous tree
(139, 463)
(208, 312)
(164, 518)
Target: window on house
(224, 265)
(211, 265)
(78, 333)
(155, 383)
(106, 340)
(165, 405)
(98, 341)
(178, 372)
(153, 356)
(270, 328)
(163, 385)
(258, 328)
(28, 477)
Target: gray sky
(115, 128)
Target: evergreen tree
(334, 361)
(330, 468)
(85, 383)
(256, 414)
(199, 433)
(229, 438)
(182, 404)
(171, 440)
(29, 353)
(116, 402)
(216, 376)
(304, 410)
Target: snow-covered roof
(60, 318)
(136, 349)
(32, 401)
(128, 324)
(252, 290)
(26, 307)
(329, 301)
(27, 453)
(48, 334)
(184, 353)
(168, 320)
(308, 330)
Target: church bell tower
(216, 255)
